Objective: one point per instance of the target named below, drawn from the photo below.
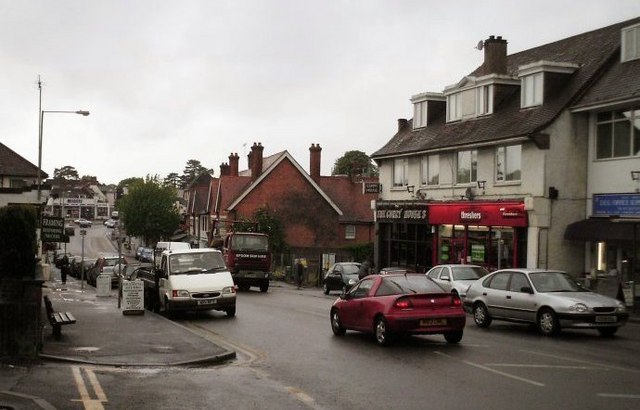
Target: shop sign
(52, 229)
(371, 187)
(616, 204)
(401, 213)
(485, 214)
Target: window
(508, 163)
(350, 232)
(618, 134)
(17, 183)
(499, 281)
(467, 167)
(420, 114)
(430, 170)
(470, 103)
(531, 90)
(630, 43)
(518, 281)
(400, 172)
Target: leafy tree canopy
(172, 179)
(126, 183)
(192, 170)
(264, 221)
(67, 172)
(149, 210)
(354, 163)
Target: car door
(334, 279)
(495, 294)
(360, 299)
(444, 278)
(522, 305)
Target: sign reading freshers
(52, 229)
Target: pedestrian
(64, 268)
(299, 273)
(365, 270)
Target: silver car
(551, 300)
(456, 278)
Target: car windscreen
(350, 269)
(190, 263)
(468, 272)
(554, 282)
(408, 284)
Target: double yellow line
(86, 399)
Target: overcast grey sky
(170, 81)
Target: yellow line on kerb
(85, 398)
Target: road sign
(52, 229)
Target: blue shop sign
(616, 204)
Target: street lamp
(42, 112)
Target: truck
(189, 280)
(248, 258)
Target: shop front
(489, 234)
(404, 235)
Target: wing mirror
(446, 277)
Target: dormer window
(470, 103)
(533, 77)
(630, 43)
(531, 92)
(425, 106)
(420, 114)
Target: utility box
(103, 285)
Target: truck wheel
(231, 312)
(264, 287)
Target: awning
(600, 229)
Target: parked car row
(144, 254)
(401, 302)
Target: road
(288, 358)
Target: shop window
(508, 163)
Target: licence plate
(207, 302)
(433, 322)
(606, 319)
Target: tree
(354, 163)
(125, 184)
(264, 221)
(172, 179)
(149, 210)
(192, 170)
(67, 172)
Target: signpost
(83, 233)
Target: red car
(398, 304)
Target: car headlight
(229, 290)
(579, 307)
(180, 293)
(621, 308)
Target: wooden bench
(57, 319)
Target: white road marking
(587, 362)
(488, 369)
(619, 396)
(543, 366)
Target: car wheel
(607, 331)
(481, 315)
(264, 287)
(453, 337)
(548, 323)
(231, 312)
(336, 324)
(325, 288)
(380, 331)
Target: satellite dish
(480, 45)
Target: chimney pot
(314, 160)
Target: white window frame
(482, 103)
(630, 43)
(531, 90)
(505, 162)
(349, 232)
(630, 116)
(400, 172)
(469, 163)
(419, 114)
(430, 170)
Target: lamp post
(42, 112)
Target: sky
(171, 81)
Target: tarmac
(105, 334)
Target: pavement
(104, 335)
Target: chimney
(495, 55)
(224, 169)
(314, 161)
(233, 164)
(402, 122)
(255, 159)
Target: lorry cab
(248, 258)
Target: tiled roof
(591, 51)
(12, 164)
(355, 205)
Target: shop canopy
(601, 229)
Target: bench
(57, 319)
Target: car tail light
(455, 300)
(403, 303)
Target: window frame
(532, 91)
(472, 164)
(631, 142)
(350, 231)
(428, 164)
(419, 115)
(630, 52)
(507, 164)
(400, 164)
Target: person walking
(365, 270)
(299, 273)
(64, 269)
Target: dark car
(76, 269)
(107, 265)
(139, 252)
(146, 255)
(390, 304)
(340, 276)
